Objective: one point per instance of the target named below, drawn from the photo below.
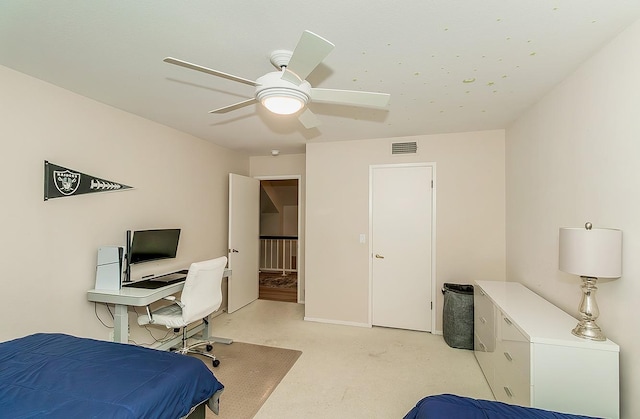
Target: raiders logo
(66, 182)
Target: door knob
(379, 256)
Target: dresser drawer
(506, 330)
(482, 305)
(484, 329)
(485, 359)
(484, 319)
(512, 371)
(513, 349)
(514, 356)
(508, 391)
(512, 363)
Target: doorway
(278, 269)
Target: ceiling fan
(286, 91)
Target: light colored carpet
(249, 374)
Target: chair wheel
(209, 348)
(215, 363)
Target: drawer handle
(483, 320)
(507, 321)
(508, 356)
(508, 391)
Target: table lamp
(592, 254)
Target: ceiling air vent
(404, 148)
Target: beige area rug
(249, 373)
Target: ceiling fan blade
(309, 52)
(235, 106)
(308, 119)
(350, 97)
(196, 67)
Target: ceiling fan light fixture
(282, 101)
(287, 91)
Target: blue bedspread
(447, 406)
(61, 376)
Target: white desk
(140, 297)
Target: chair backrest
(202, 292)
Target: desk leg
(121, 324)
(206, 335)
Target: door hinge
(432, 184)
(432, 305)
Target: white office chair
(201, 296)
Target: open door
(244, 240)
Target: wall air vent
(404, 148)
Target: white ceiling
(449, 65)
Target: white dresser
(525, 348)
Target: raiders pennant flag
(60, 182)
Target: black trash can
(457, 321)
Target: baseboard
(343, 323)
(340, 322)
(218, 312)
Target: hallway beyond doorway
(275, 286)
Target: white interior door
(244, 240)
(401, 243)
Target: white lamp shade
(593, 253)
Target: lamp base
(588, 330)
(587, 327)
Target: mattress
(57, 375)
(447, 406)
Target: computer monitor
(149, 245)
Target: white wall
(288, 166)
(470, 217)
(572, 158)
(290, 220)
(270, 224)
(49, 248)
